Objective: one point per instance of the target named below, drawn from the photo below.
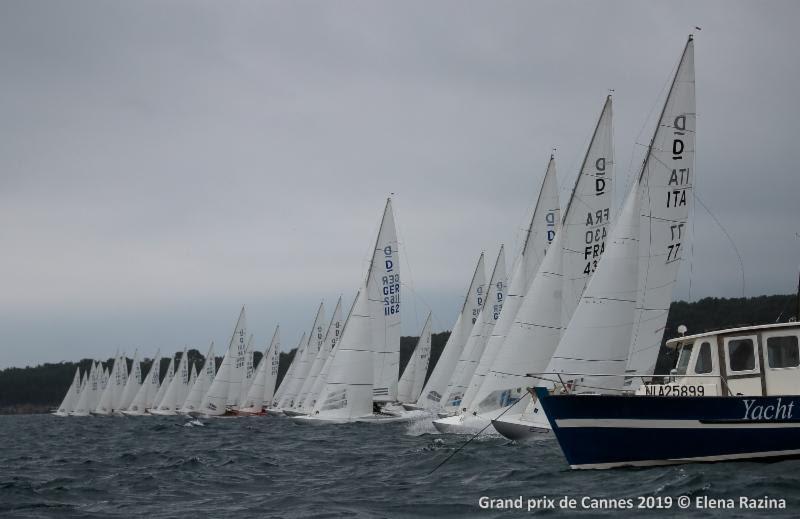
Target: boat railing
(646, 378)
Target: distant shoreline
(27, 409)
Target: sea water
(271, 467)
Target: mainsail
(436, 385)
(219, 393)
(249, 371)
(608, 329)
(303, 401)
(71, 398)
(370, 337)
(410, 385)
(383, 292)
(540, 233)
(304, 357)
(143, 400)
(481, 332)
(203, 382)
(558, 284)
(165, 383)
(133, 384)
(254, 402)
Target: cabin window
(683, 359)
(703, 364)
(782, 352)
(741, 355)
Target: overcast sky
(164, 163)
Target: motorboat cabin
(749, 361)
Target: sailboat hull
(461, 424)
(513, 428)
(159, 412)
(292, 412)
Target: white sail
(284, 383)
(322, 378)
(410, 385)
(259, 390)
(481, 331)
(329, 342)
(165, 383)
(120, 381)
(147, 392)
(178, 389)
(85, 401)
(436, 385)
(304, 359)
(272, 367)
(569, 263)
(192, 379)
(370, 337)
(228, 379)
(201, 385)
(347, 394)
(383, 292)
(133, 385)
(608, 330)
(665, 190)
(249, 370)
(540, 233)
(238, 349)
(71, 398)
(106, 404)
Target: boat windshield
(683, 359)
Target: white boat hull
(514, 428)
(461, 424)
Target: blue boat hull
(603, 431)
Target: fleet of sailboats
(588, 291)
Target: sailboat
(201, 384)
(303, 402)
(72, 396)
(431, 397)
(364, 370)
(115, 385)
(249, 372)
(177, 390)
(274, 409)
(410, 385)
(307, 398)
(263, 385)
(555, 289)
(476, 344)
(133, 385)
(540, 233)
(625, 332)
(304, 358)
(83, 404)
(322, 378)
(143, 400)
(165, 383)
(224, 390)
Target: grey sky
(163, 163)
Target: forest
(40, 388)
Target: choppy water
(270, 467)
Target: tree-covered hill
(40, 388)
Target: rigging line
(404, 252)
(733, 244)
(692, 239)
(473, 437)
